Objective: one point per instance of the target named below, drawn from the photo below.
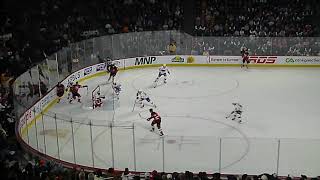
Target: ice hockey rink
(280, 122)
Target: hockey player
(97, 100)
(69, 88)
(116, 89)
(163, 70)
(245, 57)
(236, 113)
(141, 96)
(109, 63)
(60, 91)
(113, 72)
(74, 89)
(156, 119)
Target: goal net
(94, 94)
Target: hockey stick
(155, 83)
(87, 89)
(134, 105)
(143, 117)
(229, 115)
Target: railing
(58, 136)
(122, 145)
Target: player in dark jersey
(113, 72)
(60, 91)
(245, 57)
(74, 89)
(156, 119)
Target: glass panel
(50, 134)
(64, 133)
(45, 78)
(117, 47)
(52, 70)
(102, 146)
(103, 46)
(123, 147)
(299, 156)
(195, 154)
(82, 141)
(41, 135)
(64, 63)
(149, 149)
(246, 155)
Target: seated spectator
(126, 175)
(172, 48)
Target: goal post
(94, 94)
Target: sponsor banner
(224, 60)
(177, 59)
(191, 59)
(90, 33)
(74, 77)
(301, 60)
(185, 59)
(46, 100)
(145, 60)
(101, 67)
(87, 71)
(263, 59)
(26, 117)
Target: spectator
(172, 48)
(126, 175)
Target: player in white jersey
(236, 113)
(97, 100)
(116, 89)
(69, 85)
(163, 70)
(142, 96)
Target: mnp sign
(145, 60)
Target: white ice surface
(280, 108)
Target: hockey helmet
(139, 90)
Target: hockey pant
(236, 115)
(158, 123)
(142, 99)
(160, 74)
